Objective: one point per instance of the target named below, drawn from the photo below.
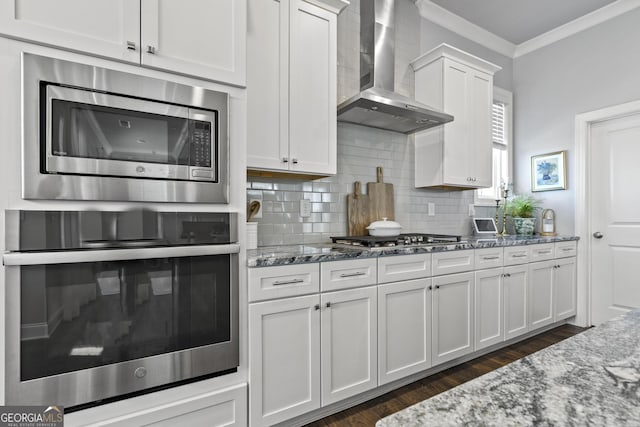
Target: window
(501, 119)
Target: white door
(203, 38)
(404, 329)
(488, 297)
(108, 28)
(284, 359)
(615, 216)
(452, 316)
(349, 343)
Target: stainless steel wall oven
(96, 134)
(102, 304)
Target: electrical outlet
(305, 208)
(472, 210)
(259, 213)
(431, 209)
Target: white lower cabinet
(284, 353)
(452, 327)
(516, 300)
(349, 343)
(541, 293)
(488, 297)
(404, 329)
(565, 288)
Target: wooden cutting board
(357, 212)
(380, 198)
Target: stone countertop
(592, 378)
(301, 254)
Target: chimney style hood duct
(377, 105)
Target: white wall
(593, 69)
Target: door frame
(583, 123)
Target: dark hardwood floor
(368, 413)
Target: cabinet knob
(285, 160)
(294, 161)
(437, 286)
(317, 306)
(151, 50)
(131, 45)
(328, 305)
(429, 287)
(597, 235)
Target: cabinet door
(541, 293)
(284, 359)
(565, 288)
(452, 327)
(488, 298)
(97, 27)
(404, 329)
(312, 77)
(456, 155)
(516, 299)
(268, 84)
(349, 343)
(202, 38)
(480, 149)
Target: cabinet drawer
(283, 281)
(566, 249)
(514, 255)
(452, 262)
(403, 267)
(489, 258)
(542, 252)
(337, 275)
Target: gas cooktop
(402, 240)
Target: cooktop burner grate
(408, 239)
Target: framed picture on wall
(549, 171)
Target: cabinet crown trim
(334, 6)
(447, 51)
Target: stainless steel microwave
(97, 134)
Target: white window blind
(498, 125)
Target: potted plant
(522, 208)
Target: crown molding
(441, 16)
(582, 23)
(334, 6)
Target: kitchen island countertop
(592, 378)
(322, 252)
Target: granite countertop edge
(268, 256)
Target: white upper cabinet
(291, 96)
(203, 38)
(457, 154)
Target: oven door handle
(69, 257)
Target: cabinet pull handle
(294, 161)
(519, 256)
(328, 305)
(358, 273)
(486, 258)
(131, 45)
(548, 251)
(151, 50)
(508, 274)
(285, 160)
(316, 307)
(288, 282)
(567, 249)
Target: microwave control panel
(201, 144)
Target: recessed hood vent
(377, 105)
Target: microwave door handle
(69, 257)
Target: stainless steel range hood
(377, 105)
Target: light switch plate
(305, 208)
